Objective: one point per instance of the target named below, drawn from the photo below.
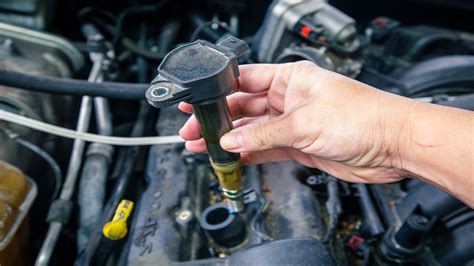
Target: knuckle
(304, 65)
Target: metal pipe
(103, 116)
(120, 188)
(234, 24)
(75, 162)
(91, 195)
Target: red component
(305, 31)
(355, 241)
(380, 22)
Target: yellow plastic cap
(117, 228)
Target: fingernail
(232, 141)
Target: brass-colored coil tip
(231, 180)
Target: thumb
(270, 134)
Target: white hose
(68, 133)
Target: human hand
(301, 112)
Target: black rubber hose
(460, 245)
(425, 42)
(431, 200)
(132, 11)
(371, 217)
(446, 74)
(141, 51)
(464, 102)
(114, 90)
(333, 205)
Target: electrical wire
(142, 51)
(131, 11)
(89, 10)
(68, 133)
(116, 29)
(256, 218)
(56, 170)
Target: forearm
(437, 145)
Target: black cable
(166, 39)
(142, 66)
(141, 51)
(87, 11)
(119, 21)
(129, 44)
(131, 11)
(206, 24)
(114, 90)
(366, 253)
(56, 170)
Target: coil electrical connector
(202, 74)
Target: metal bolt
(7, 45)
(160, 92)
(421, 220)
(184, 216)
(96, 38)
(315, 180)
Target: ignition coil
(202, 74)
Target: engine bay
(92, 171)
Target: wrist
(419, 133)
(400, 117)
(431, 137)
